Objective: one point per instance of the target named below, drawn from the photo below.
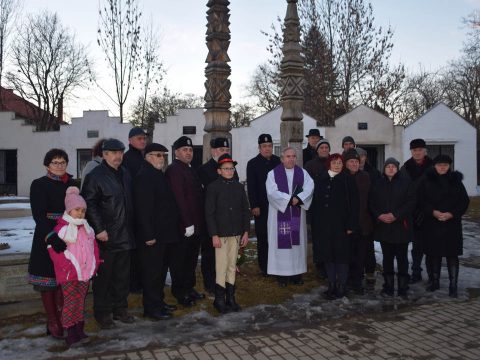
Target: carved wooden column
(217, 85)
(291, 127)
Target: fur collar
(451, 176)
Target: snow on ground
(15, 206)
(23, 341)
(18, 232)
(2, 198)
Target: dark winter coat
(156, 211)
(336, 211)
(315, 167)
(109, 206)
(444, 193)
(188, 191)
(133, 160)
(208, 173)
(396, 196)
(309, 153)
(47, 201)
(257, 171)
(362, 180)
(372, 171)
(226, 208)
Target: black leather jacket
(109, 206)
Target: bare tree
(119, 38)
(151, 72)
(264, 86)
(158, 107)
(242, 114)
(48, 64)
(8, 9)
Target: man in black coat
(208, 174)
(310, 152)
(257, 171)
(107, 191)
(188, 191)
(415, 168)
(132, 160)
(157, 232)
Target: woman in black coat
(157, 232)
(47, 201)
(392, 200)
(336, 212)
(443, 201)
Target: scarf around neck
(332, 173)
(71, 232)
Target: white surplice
(287, 262)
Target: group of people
(354, 205)
(136, 219)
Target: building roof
(21, 107)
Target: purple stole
(288, 223)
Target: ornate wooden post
(217, 85)
(291, 127)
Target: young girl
(75, 266)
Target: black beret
(417, 143)
(313, 132)
(155, 147)
(219, 142)
(136, 131)
(112, 145)
(265, 138)
(181, 142)
(442, 159)
(348, 139)
(224, 159)
(350, 154)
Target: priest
(289, 192)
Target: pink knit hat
(73, 199)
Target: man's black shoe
(158, 315)
(187, 301)
(195, 295)
(169, 307)
(105, 321)
(123, 316)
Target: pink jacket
(80, 261)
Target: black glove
(57, 244)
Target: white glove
(189, 231)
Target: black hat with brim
(265, 138)
(225, 158)
(313, 132)
(155, 147)
(181, 142)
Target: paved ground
(448, 330)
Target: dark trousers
(153, 274)
(111, 285)
(208, 263)
(174, 261)
(186, 257)
(417, 251)
(135, 269)
(392, 251)
(370, 260)
(262, 251)
(337, 273)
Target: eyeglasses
(157, 155)
(228, 169)
(59, 163)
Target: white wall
(442, 126)
(31, 146)
(381, 131)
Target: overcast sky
(427, 32)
